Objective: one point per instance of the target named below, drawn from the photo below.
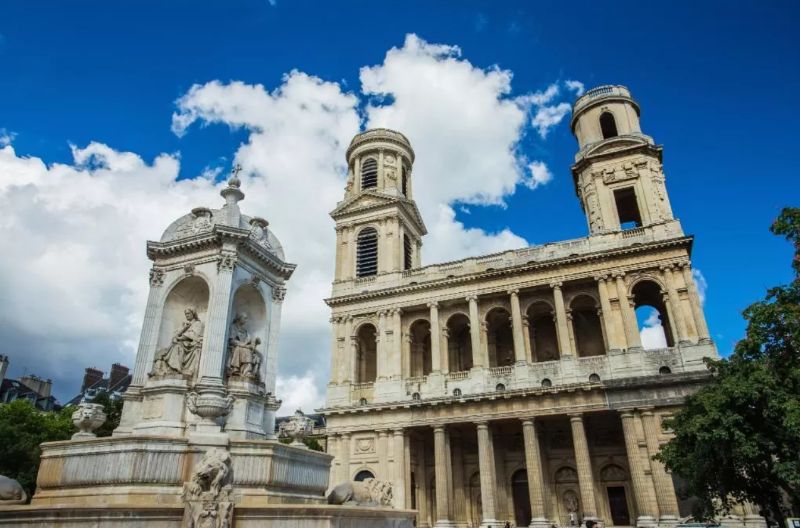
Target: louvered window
(404, 181)
(367, 253)
(369, 174)
(407, 260)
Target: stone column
(442, 473)
(397, 249)
(608, 316)
(349, 252)
(584, 463)
(383, 455)
(422, 485)
(459, 497)
(337, 273)
(516, 327)
(399, 487)
(380, 363)
(212, 360)
(406, 355)
(645, 503)
(680, 322)
(662, 481)
(561, 321)
(331, 446)
(526, 336)
(486, 465)
(357, 173)
(344, 457)
(671, 317)
(697, 309)
(478, 354)
(436, 352)
(533, 465)
(444, 344)
(349, 359)
(628, 314)
(148, 340)
(336, 354)
(397, 342)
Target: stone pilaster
(533, 465)
(332, 448)
(526, 336)
(562, 328)
(381, 363)
(516, 327)
(443, 486)
(212, 360)
(646, 505)
(487, 466)
(679, 321)
(697, 309)
(436, 351)
(608, 317)
(628, 315)
(397, 342)
(336, 354)
(399, 487)
(344, 457)
(478, 354)
(584, 464)
(459, 498)
(662, 482)
(444, 344)
(383, 455)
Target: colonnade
(655, 501)
(616, 312)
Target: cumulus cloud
(575, 86)
(549, 116)
(80, 227)
(652, 332)
(6, 137)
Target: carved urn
(87, 418)
(209, 405)
(297, 428)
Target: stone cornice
(684, 241)
(408, 206)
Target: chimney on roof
(3, 367)
(118, 374)
(37, 385)
(91, 377)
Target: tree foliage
(738, 438)
(22, 429)
(113, 410)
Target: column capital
(381, 432)
(471, 297)
(626, 414)
(556, 285)
(602, 277)
(484, 326)
(647, 411)
(433, 304)
(482, 424)
(530, 420)
(684, 264)
(399, 431)
(396, 311)
(438, 428)
(618, 275)
(525, 320)
(513, 291)
(577, 417)
(666, 267)
(381, 313)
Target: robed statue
(244, 361)
(183, 354)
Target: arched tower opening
(420, 332)
(655, 328)
(499, 338)
(542, 329)
(366, 354)
(459, 343)
(586, 327)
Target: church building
(514, 387)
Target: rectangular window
(627, 208)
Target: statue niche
(181, 336)
(246, 335)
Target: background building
(29, 387)
(95, 382)
(515, 386)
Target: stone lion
(11, 492)
(211, 474)
(369, 492)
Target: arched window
(500, 338)
(664, 370)
(407, 253)
(420, 348)
(655, 330)
(404, 181)
(608, 125)
(367, 253)
(369, 174)
(459, 343)
(366, 354)
(542, 329)
(586, 327)
(363, 475)
(546, 383)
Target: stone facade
(515, 386)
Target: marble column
(583, 462)
(562, 328)
(441, 456)
(646, 505)
(478, 354)
(677, 310)
(697, 309)
(662, 481)
(344, 457)
(436, 352)
(608, 316)
(628, 314)
(533, 465)
(486, 464)
(383, 455)
(399, 487)
(516, 327)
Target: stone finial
(297, 428)
(87, 418)
(231, 193)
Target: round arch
(586, 326)
(542, 331)
(652, 316)
(420, 349)
(459, 343)
(366, 353)
(499, 337)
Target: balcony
(598, 93)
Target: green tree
(113, 410)
(738, 438)
(22, 429)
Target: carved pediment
(374, 199)
(616, 145)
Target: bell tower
(618, 174)
(378, 226)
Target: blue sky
(716, 82)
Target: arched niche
(587, 327)
(499, 338)
(190, 293)
(542, 330)
(459, 343)
(248, 303)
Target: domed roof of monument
(380, 135)
(202, 220)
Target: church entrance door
(618, 504)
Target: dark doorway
(627, 208)
(618, 504)
(522, 499)
(363, 475)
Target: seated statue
(244, 361)
(183, 354)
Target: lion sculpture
(369, 492)
(11, 492)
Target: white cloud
(79, 228)
(702, 284)
(539, 174)
(652, 333)
(575, 86)
(549, 116)
(6, 137)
